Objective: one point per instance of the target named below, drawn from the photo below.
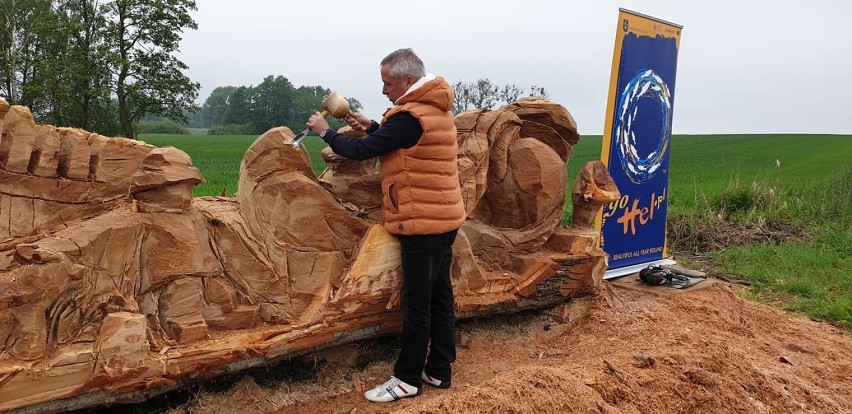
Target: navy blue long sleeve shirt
(402, 130)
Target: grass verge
(793, 246)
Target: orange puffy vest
(420, 185)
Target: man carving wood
(421, 205)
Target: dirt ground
(625, 350)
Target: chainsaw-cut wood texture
(116, 285)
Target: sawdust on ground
(623, 350)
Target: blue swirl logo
(646, 84)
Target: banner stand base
(623, 271)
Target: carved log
(357, 184)
(115, 284)
(594, 188)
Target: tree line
(484, 94)
(96, 65)
(254, 109)
(275, 101)
(105, 65)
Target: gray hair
(404, 62)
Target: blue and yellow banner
(637, 138)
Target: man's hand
(317, 123)
(357, 121)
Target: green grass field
(218, 157)
(716, 181)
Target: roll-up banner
(636, 141)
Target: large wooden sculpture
(115, 284)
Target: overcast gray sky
(744, 66)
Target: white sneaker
(428, 379)
(392, 390)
